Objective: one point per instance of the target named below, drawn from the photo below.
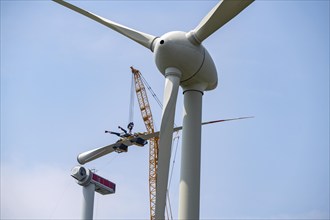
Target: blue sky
(65, 79)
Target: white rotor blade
(172, 82)
(99, 152)
(223, 12)
(223, 120)
(144, 39)
(96, 153)
(156, 134)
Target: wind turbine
(184, 62)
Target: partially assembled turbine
(183, 60)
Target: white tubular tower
(91, 183)
(189, 194)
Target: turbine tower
(91, 183)
(185, 62)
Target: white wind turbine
(183, 60)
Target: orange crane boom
(153, 142)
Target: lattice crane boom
(153, 142)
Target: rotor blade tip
(78, 159)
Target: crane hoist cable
(169, 208)
(131, 103)
(152, 92)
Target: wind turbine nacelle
(85, 177)
(174, 49)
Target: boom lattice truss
(153, 142)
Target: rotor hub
(174, 49)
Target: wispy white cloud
(41, 193)
(48, 192)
